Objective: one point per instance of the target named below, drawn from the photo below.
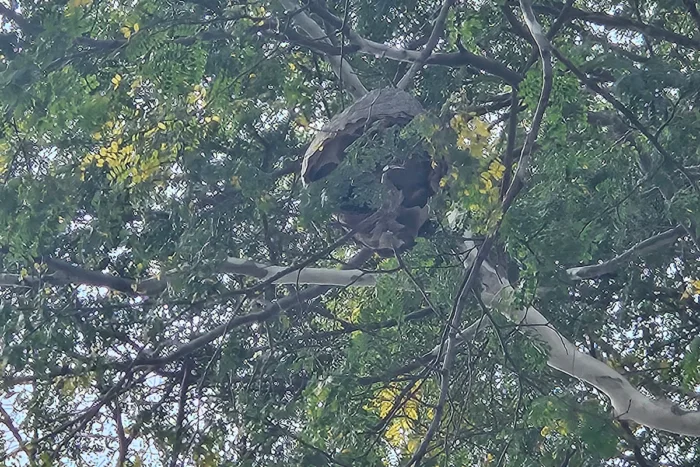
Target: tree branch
(620, 22)
(628, 403)
(647, 246)
(429, 47)
(307, 276)
(272, 309)
(23, 23)
(7, 421)
(545, 49)
(341, 67)
(454, 59)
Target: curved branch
(307, 276)
(341, 67)
(628, 403)
(647, 246)
(454, 59)
(429, 47)
(620, 22)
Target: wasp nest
(408, 181)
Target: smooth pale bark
(340, 66)
(315, 276)
(649, 245)
(66, 273)
(628, 403)
(451, 59)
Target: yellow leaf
(115, 81)
(161, 125)
(411, 410)
(292, 67)
(302, 120)
(496, 170)
(394, 434)
(79, 3)
(562, 427)
(136, 27)
(126, 31)
(545, 431)
(215, 118)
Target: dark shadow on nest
(399, 188)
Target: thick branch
(315, 276)
(341, 67)
(66, 273)
(429, 47)
(271, 310)
(620, 22)
(647, 246)
(454, 59)
(23, 23)
(628, 403)
(545, 49)
(77, 275)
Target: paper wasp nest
(410, 179)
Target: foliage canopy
(146, 144)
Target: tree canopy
(354, 233)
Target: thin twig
(469, 281)
(7, 421)
(545, 49)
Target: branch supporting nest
(341, 67)
(429, 47)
